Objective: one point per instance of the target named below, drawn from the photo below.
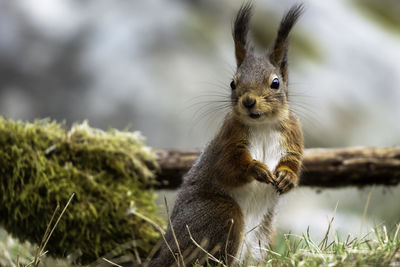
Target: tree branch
(321, 167)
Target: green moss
(42, 164)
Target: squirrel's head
(260, 84)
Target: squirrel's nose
(248, 102)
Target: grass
(377, 248)
(380, 247)
(31, 256)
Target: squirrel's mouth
(255, 115)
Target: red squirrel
(228, 198)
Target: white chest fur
(257, 199)
(265, 145)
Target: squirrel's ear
(240, 30)
(278, 54)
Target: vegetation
(42, 165)
(378, 248)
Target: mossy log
(42, 164)
(322, 167)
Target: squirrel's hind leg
(214, 224)
(220, 231)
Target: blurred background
(161, 66)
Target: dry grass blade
(110, 262)
(46, 233)
(173, 234)
(394, 253)
(324, 241)
(287, 242)
(271, 251)
(366, 208)
(227, 239)
(33, 261)
(153, 251)
(46, 237)
(205, 251)
(58, 220)
(135, 251)
(159, 228)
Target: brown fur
(204, 204)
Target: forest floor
(380, 247)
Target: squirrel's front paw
(285, 180)
(260, 172)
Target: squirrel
(227, 201)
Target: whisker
(309, 120)
(223, 85)
(211, 98)
(214, 111)
(209, 103)
(206, 104)
(302, 107)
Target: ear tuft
(240, 30)
(278, 55)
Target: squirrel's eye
(233, 85)
(275, 84)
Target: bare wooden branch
(322, 167)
